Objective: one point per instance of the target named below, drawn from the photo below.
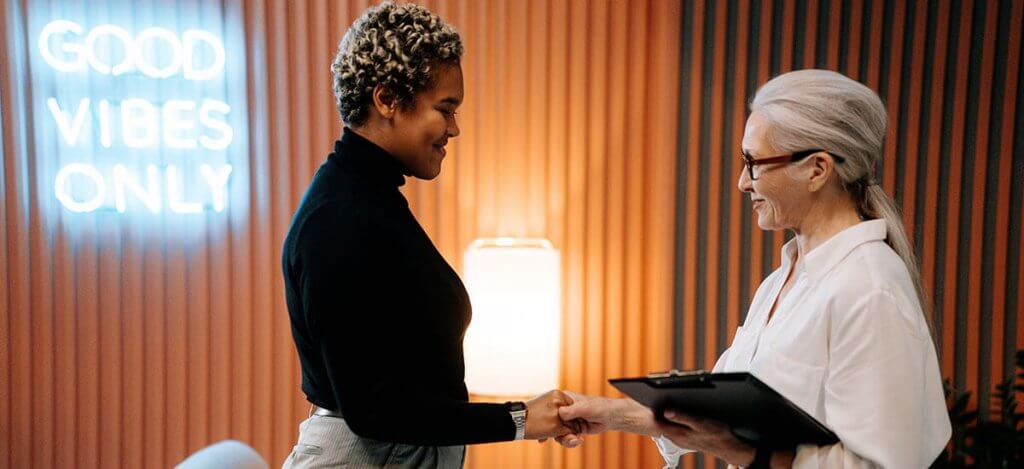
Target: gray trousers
(328, 442)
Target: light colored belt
(317, 410)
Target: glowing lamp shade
(512, 345)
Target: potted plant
(987, 442)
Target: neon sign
(181, 57)
(131, 151)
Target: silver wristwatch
(518, 412)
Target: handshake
(566, 417)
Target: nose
(453, 129)
(744, 183)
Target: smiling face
(779, 201)
(421, 131)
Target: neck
(376, 131)
(371, 133)
(824, 220)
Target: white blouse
(849, 345)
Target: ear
(821, 167)
(384, 101)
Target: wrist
(633, 417)
(519, 412)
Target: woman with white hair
(841, 328)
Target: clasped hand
(567, 416)
(592, 415)
(543, 420)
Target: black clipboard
(755, 412)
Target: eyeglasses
(749, 162)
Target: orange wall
(132, 347)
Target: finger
(679, 434)
(567, 430)
(570, 440)
(573, 412)
(590, 428)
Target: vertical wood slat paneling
(594, 200)
(14, 142)
(139, 348)
(980, 375)
(1006, 169)
(954, 336)
(737, 112)
(5, 325)
(633, 330)
(240, 245)
(928, 246)
(689, 170)
(949, 74)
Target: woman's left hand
(707, 436)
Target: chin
(429, 174)
(766, 224)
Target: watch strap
(517, 410)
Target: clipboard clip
(677, 378)
(675, 374)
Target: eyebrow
(454, 101)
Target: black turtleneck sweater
(377, 315)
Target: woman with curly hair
(377, 315)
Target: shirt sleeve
(350, 302)
(883, 395)
(670, 452)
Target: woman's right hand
(542, 420)
(602, 413)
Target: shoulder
(328, 227)
(872, 287)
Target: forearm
(627, 415)
(427, 421)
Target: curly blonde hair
(394, 45)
